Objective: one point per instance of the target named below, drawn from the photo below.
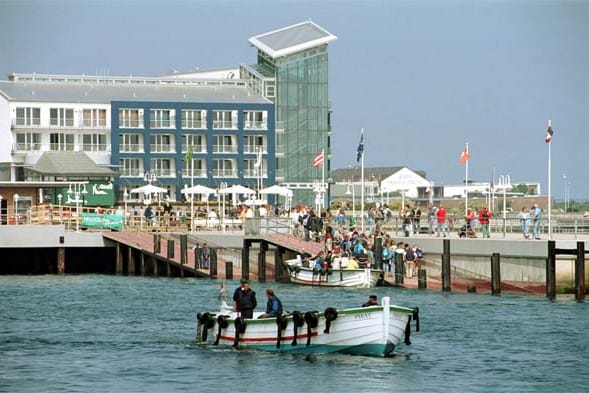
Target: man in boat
(372, 301)
(244, 300)
(273, 306)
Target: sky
(422, 78)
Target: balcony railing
(254, 173)
(132, 172)
(196, 149)
(224, 172)
(253, 149)
(20, 122)
(138, 148)
(194, 124)
(61, 146)
(26, 147)
(255, 125)
(224, 124)
(162, 148)
(224, 148)
(197, 173)
(161, 124)
(96, 147)
(164, 172)
(131, 124)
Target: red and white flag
(464, 156)
(318, 161)
(549, 133)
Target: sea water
(95, 333)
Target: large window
(255, 120)
(225, 120)
(253, 168)
(195, 119)
(162, 118)
(161, 143)
(26, 141)
(61, 117)
(28, 116)
(131, 118)
(94, 142)
(200, 168)
(254, 143)
(94, 118)
(131, 167)
(224, 144)
(61, 141)
(198, 142)
(224, 168)
(131, 143)
(162, 167)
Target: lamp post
(59, 198)
(16, 198)
(126, 200)
(505, 183)
(79, 189)
(149, 178)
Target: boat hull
(353, 278)
(368, 331)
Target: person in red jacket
(441, 220)
(485, 219)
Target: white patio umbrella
(198, 189)
(237, 189)
(148, 189)
(278, 190)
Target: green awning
(69, 163)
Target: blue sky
(421, 77)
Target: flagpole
(362, 190)
(549, 185)
(466, 183)
(323, 188)
(192, 195)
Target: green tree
(521, 188)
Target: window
(254, 143)
(94, 118)
(194, 119)
(130, 143)
(225, 120)
(131, 167)
(197, 141)
(162, 167)
(162, 118)
(224, 144)
(161, 143)
(252, 169)
(94, 142)
(28, 141)
(28, 116)
(255, 120)
(131, 118)
(61, 142)
(61, 117)
(224, 168)
(200, 168)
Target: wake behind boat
(369, 331)
(336, 276)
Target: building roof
(376, 173)
(292, 39)
(69, 163)
(83, 89)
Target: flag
(360, 150)
(258, 162)
(549, 133)
(188, 155)
(464, 156)
(318, 161)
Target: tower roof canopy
(292, 39)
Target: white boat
(334, 277)
(368, 331)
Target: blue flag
(360, 150)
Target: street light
(149, 178)
(16, 198)
(505, 183)
(59, 198)
(79, 189)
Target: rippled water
(96, 333)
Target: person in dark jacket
(244, 300)
(273, 306)
(372, 301)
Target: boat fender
(298, 321)
(239, 329)
(222, 321)
(312, 321)
(408, 332)
(281, 323)
(416, 318)
(330, 315)
(204, 320)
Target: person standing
(536, 216)
(273, 306)
(524, 220)
(431, 217)
(205, 256)
(441, 220)
(417, 219)
(485, 219)
(244, 300)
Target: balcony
(196, 149)
(132, 172)
(224, 125)
(25, 124)
(96, 147)
(164, 172)
(224, 148)
(25, 147)
(61, 146)
(253, 149)
(255, 125)
(162, 148)
(201, 173)
(224, 172)
(253, 173)
(138, 148)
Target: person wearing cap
(244, 300)
(372, 301)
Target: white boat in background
(334, 277)
(369, 331)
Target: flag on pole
(318, 161)
(464, 156)
(188, 155)
(360, 150)
(549, 133)
(258, 162)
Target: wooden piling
(446, 283)
(60, 260)
(229, 270)
(496, 274)
(551, 270)
(421, 279)
(245, 259)
(183, 249)
(378, 252)
(171, 249)
(213, 262)
(279, 267)
(580, 272)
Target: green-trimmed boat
(368, 331)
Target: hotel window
(162, 167)
(162, 118)
(255, 120)
(131, 167)
(28, 116)
(254, 143)
(61, 117)
(251, 169)
(161, 143)
(200, 168)
(94, 142)
(61, 142)
(28, 141)
(194, 119)
(130, 143)
(225, 120)
(94, 118)
(131, 118)
(224, 168)
(197, 141)
(224, 144)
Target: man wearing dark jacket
(244, 300)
